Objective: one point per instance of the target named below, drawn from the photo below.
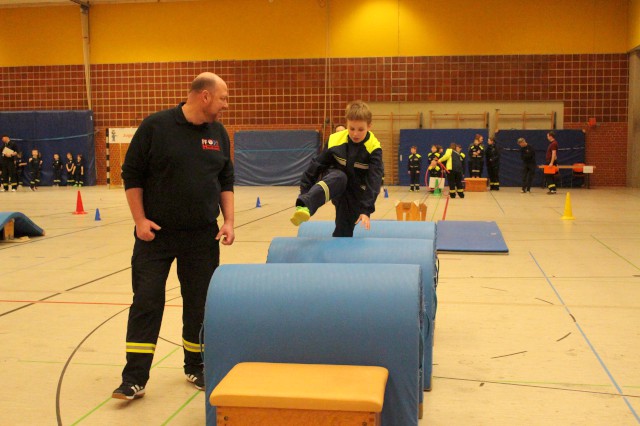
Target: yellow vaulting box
(475, 184)
(269, 394)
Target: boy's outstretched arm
(374, 181)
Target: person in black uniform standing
(8, 152)
(70, 168)
(453, 158)
(178, 177)
(528, 156)
(476, 157)
(353, 169)
(414, 165)
(79, 171)
(35, 168)
(492, 156)
(57, 170)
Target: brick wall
(290, 93)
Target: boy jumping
(351, 169)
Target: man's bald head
(208, 97)
(204, 81)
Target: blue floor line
(615, 384)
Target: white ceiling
(26, 3)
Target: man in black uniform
(8, 152)
(528, 156)
(178, 176)
(493, 164)
(414, 164)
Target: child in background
(35, 167)
(493, 164)
(436, 174)
(70, 168)
(20, 165)
(79, 171)
(352, 167)
(476, 157)
(433, 154)
(414, 164)
(57, 170)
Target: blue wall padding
(368, 251)
(23, 226)
(53, 132)
(277, 157)
(379, 229)
(470, 236)
(345, 314)
(424, 138)
(571, 149)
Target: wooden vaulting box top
(302, 386)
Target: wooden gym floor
(547, 335)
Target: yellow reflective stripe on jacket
(360, 165)
(340, 138)
(191, 347)
(141, 348)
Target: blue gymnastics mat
(469, 237)
(23, 226)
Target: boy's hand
(365, 221)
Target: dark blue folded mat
(23, 227)
(469, 237)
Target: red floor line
(76, 303)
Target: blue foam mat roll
(379, 229)
(318, 314)
(370, 251)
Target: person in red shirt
(551, 159)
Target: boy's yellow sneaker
(301, 215)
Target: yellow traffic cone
(568, 214)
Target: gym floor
(546, 335)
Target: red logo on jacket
(210, 144)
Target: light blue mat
(469, 237)
(23, 227)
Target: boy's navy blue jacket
(181, 167)
(528, 155)
(361, 162)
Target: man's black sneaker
(128, 391)
(197, 379)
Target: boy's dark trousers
(198, 255)
(494, 177)
(455, 184)
(34, 178)
(475, 167)
(8, 172)
(57, 177)
(528, 172)
(415, 179)
(333, 186)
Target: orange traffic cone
(79, 207)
